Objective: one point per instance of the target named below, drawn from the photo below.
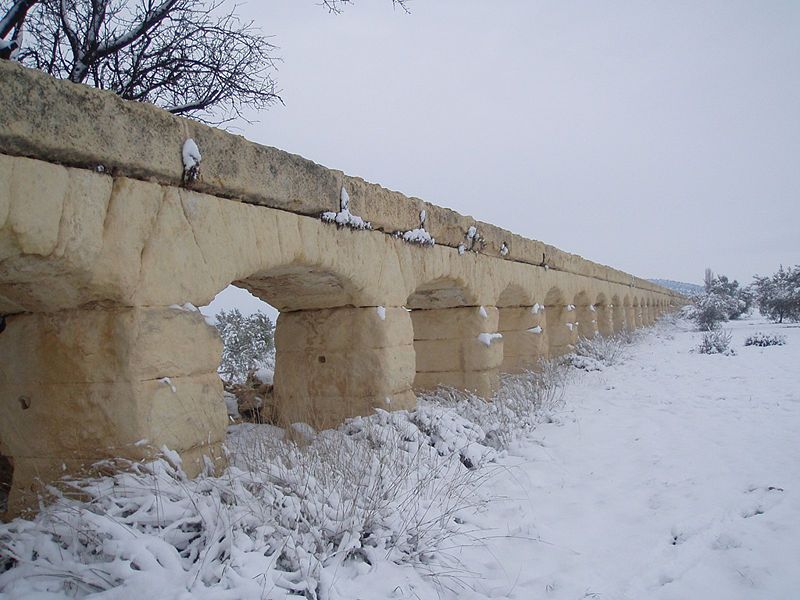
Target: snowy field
(672, 475)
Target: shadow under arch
(637, 312)
(334, 358)
(558, 323)
(455, 341)
(630, 315)
(585, 317)
(617, 314)
(520, 324)
(603, 316)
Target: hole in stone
(247, 327)
(6, 475)
(322, 359)
(24, 402)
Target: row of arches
(335, 358)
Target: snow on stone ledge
(344, 218)
(191, 160)
(487, 338)
(537, 329)
(418, 236)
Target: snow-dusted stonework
(99, 358)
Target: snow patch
(191, 160)
(168, 381)
(344, 218)
(381, 310)
(418, 236)
(537, 329)
(186, 307)
(482, 312)
(487, 338)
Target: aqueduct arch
(107, 243)
(585, 315)
(605, 321)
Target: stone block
(341, 373)
(106, 346)
(454, 323)
(343, 328)
(457, 355)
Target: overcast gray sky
(659, 138)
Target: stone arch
(585, 315)
(630, 314)
(336, 354)
(520, 324)
(637, 312)
(617, 314)
(558, 323)
(603, 315)
(455, 341)
(514, 295)
(442, 292)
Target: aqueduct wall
(103, 242)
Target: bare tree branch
(191, 57)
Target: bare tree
(336, 6)
(191, 57)
(12, 22)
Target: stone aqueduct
(103, 242)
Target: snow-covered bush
(717, 341)
(778, 295)
(763, 339)
(515, 408)
(248, 344)
(602, 351)
(286, 517)
(722, 300)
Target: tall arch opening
(456, 343)
(334, 358)
(585, 316)
(617, 314)
(559, 326)
(521, 325)
(637, 313)
(603, 316)
(630, 315)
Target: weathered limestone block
(630, 318)
(605, 320)
(560, 330)
(51, 232)
(458, 347)
(336, 363)
(84, 385)
(585, 321)
(524, 341)
(81, 126)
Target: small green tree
(248, 343)
(778, 295)
(723, 300)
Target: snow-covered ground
(672, 475)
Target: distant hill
(687, 289)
